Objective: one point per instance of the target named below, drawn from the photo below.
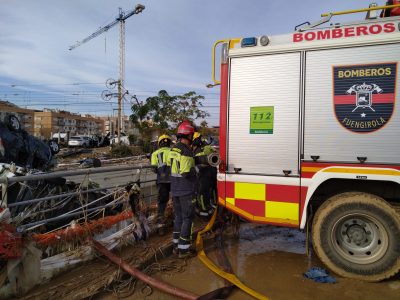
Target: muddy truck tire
(356, 235)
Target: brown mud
(100, 274)
(89, 278)
(272, 261)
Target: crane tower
(122, 16)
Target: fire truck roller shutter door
(263, 113)
(350, 104)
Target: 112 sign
(262, 116)
(262, 120)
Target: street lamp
(210, 85)
(139, 8)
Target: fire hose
(224, 292)
(178, 292)
(226, 275)
(163, 286)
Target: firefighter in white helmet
(159, 161)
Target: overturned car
(22, 154)
(19, 147)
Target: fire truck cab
(310, 134)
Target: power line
(13, 85)
(47, 84)
(89, 103)
(14, 94)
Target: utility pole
(119, 111)
(107, 95)
(121, 60)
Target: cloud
(168, 46)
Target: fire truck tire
(356, 236)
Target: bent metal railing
(142, 170)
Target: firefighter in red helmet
(183, 184)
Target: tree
(165, 112)
(204, 130)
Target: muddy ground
(95, 276)
(270, 260)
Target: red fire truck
(310, 134)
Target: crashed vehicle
(19, 147)
(22, 154)
(31, 211)
(31, 202)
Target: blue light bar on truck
(249, 42)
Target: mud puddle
(270, 260)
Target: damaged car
(21, 148)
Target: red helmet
(185, 128)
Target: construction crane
(122, 16)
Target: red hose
(158, 284)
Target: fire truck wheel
(356, 235)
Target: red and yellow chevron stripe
(263, 203)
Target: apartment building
(50, 121)
(25, 116)
(44, 123)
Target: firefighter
(207, 176)
(159, 161)
(183, 182)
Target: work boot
(187, 253)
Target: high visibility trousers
(183, 221)
(163, 197)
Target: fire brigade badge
(364, 95)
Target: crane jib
(121, 18)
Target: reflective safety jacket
(201, 154)
(183, 173)
(159, 160)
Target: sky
(168, 46)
